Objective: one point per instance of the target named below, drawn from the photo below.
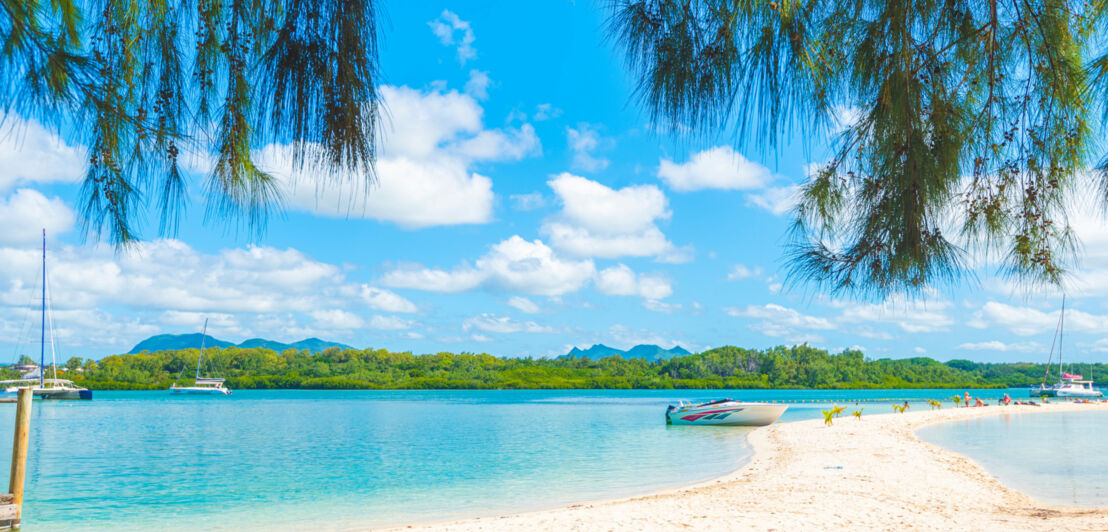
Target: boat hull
(1079, 393)
(733, 414)
(200, 391)
(63, 394)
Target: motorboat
(725, 412)
(201, 385)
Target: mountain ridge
(166, 342)
(648, 352)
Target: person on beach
(978, 402)
(967, 400)
(1006, 400)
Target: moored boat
(41, 387)
(1068, 385)
(724, 412)
(202, 385)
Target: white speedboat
(724, 412)
(201, 385)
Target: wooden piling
(19, 449)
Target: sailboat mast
(42, 343)
(203, 336)
(1061, 332)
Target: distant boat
(41, 387)
(202, 385)
(1068, 385)
(724, 412)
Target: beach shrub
(858, 413)
(828, 417)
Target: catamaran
(41, 387)
(724, 412)
(1068, 385)
(202, 385)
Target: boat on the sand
(724, 412)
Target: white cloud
(599, 208)
(622, 281)
(546, 111)
(740, 271)
(1026, 321)
(996, 345)
(336, 319)
(478, 84)
(661, 306)
(911, 317)
(583, 141)
(453, 31)
(528, 202)
(29, 153)
(523, 305)
(780, 316)
(25, 213)
(598, 221)
(719, 168)
(385, 300)
(424, 178)
(434, 280)
(513, 265)
(390, 323)
(503, 324)
(777, 200)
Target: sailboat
(1069, 384)
(43, 388)
(202, 385)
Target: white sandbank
(871, 474)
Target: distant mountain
(165, 342)
(646, 352)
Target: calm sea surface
(1061, 458)
(310, 460)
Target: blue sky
(525, 206)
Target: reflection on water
(1058, 457)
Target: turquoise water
(263, 460)
(1060, 458)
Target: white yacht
(724, 412)
(43, 388)
(1068, 385)
(202, 385)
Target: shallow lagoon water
(351, 459)
(1059, 458)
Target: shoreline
(873, 473)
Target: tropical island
(728, 367)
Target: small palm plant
(838, 410)
(858, 413)
(828, 417)
(900, 408)
(935, 405)
(957, 400)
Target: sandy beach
(871, 474)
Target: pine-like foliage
(969, 122)
(143, 83)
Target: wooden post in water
(19, 449)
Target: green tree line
(800, 366)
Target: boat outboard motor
(668, 410)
